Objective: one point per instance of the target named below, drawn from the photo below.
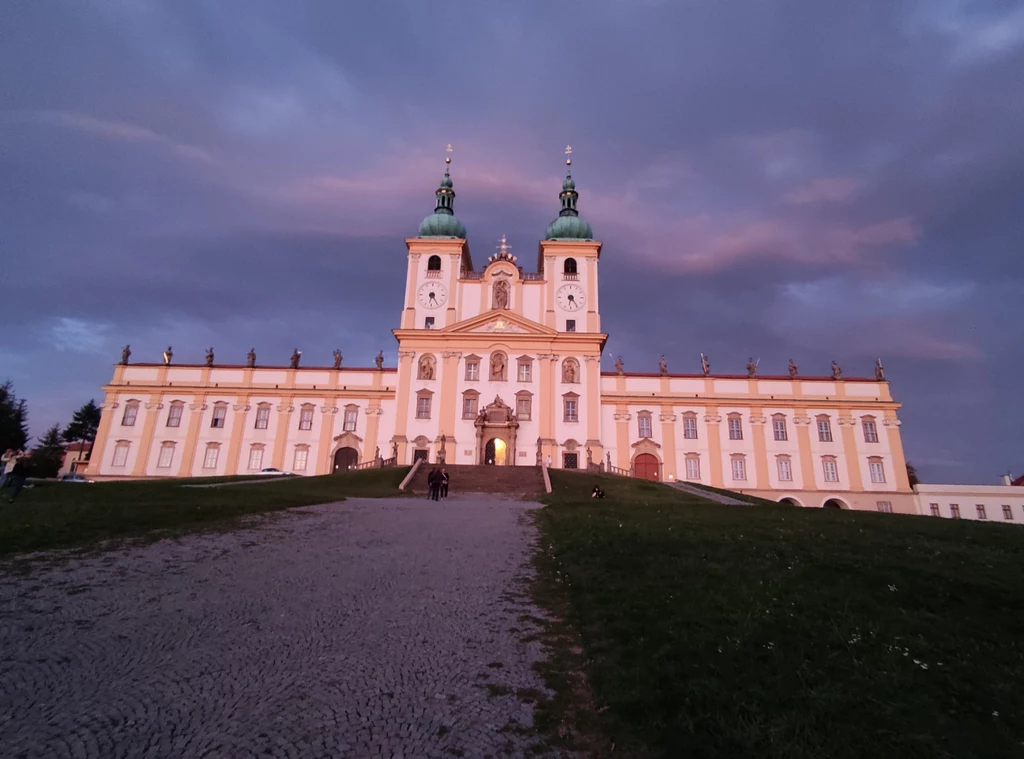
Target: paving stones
(370, 628)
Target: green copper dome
(443, 222)
(569, 225)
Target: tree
(912, 475)
(83, 427)
(13, 420)
(48, 454)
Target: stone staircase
(512, 481)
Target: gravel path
(371, 628)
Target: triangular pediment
(498, 322)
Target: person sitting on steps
(597, 492)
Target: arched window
(570, 266)
(131, 413)
(434, 263)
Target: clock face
(571, 297)
(432, 295)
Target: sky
(770, 178)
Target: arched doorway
(495, 451)
(790, 501)
(344, 458)
(834, 503)
(646, 467)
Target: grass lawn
(54, 515)
(774, 631)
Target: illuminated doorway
(494, 452)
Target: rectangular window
(739, 469)
(877, 471)
(981, 511)
(428, 323)
(570, 325)
(166, 455)
(174, 415)
(256, 458)
(885, 507)
(523, 409)
(954, 510)
(870, 431)
(351, 417)
(130, 412)
(524, 371)
(779, 428)
(693, 469)
(301, 455)
(1007, 512)
(472, 370)
(831, 470)
(824, 431)
(210, 460)
(934, 509)
(262, 417)
(570, 410)
(785, 470)
(735, 428)
(469, 407)
(690, 427)
(570, 461)
(644, 423)
(306, 419)
(423, 407)
(121, 454)
(220, 414)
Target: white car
(271, 472)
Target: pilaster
(713, 430)
(152, 406)
(899, 463)
(283, 431)
(449, 390)
(622, 417)
(196, 411)
(241, 409)
(373, 414)
(847, 425)
(758, 429)
(323, 463)
(402, 398)
(802, 423)
(668, 441)
(99, 445)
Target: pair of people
(597, 492)
(15, 479)
(437, 482)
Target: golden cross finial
(568, 155)
(448, 158)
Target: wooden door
(646, 467)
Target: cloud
(78, 335)
(831, 190)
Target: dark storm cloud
(787, 179)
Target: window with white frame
(690, 427)
(469, 406)
(210, 459)
(870, 430)
(131, 412)
(644, 425)
(981, 511)
(174, 414)
(220, 415)
(831, 469)
(779, 427)
(524, 407)
(824, 429)
(739, 468)
(692, 468)
(877, 470)
(301, 456)
(525, 371)
(423, 407)
(262, 416)
(1007, 512)
(351, 418)
(934, 509)
(735, 427)
(166, 456)
(569, 408)
(306, 418)
(121, 453)
(473, 370)
(884, 506)
(256, 457)
(785, 468)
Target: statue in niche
(663, 367)
(705, 365)
(501, 294)
(792, 369)
(837, 373)
(441, 453)
(498, 367)
(751, 367)
(379, 360)
(168, 355)
(879, 370)
(569, 373)
(250, 358)
(426, 368)
(296, 355)
(209, 356)
(337, 358)
(126, 353)
(619, 366)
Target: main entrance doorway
(494, 452)
(344, 458)
(645, 467)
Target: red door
(645, 467)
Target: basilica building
(499, 365)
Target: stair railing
(412, 473)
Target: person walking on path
(434, 484)
(17, 480)
(444, 484)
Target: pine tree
(83, 427)
(912, 475)
(48, 454)
(13, 420)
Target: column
(802, 423)
(99, 445)
(152, 407)
(547, 399)
(622, 449)
(549, 291)
(668, 438)
(712, 422)
(899, 463)
(403, 395)
(758, 430)
(282, 431)
(237, 429)
(449, 390)
(847, 426)
(323, 463)
(409, 314)
(592, 366)
(373, 412)
(195, 419)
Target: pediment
(499, 322)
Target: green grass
(62, 514)
(751, 499)
(714, 631)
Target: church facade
(497, 365)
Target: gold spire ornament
(448, 158)
(568, 155)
